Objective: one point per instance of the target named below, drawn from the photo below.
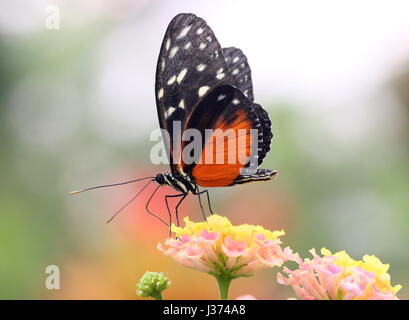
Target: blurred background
(77, 108)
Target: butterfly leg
(170, 213)
(197, 193)
(177, 207)
(208, 200)
(151, 213)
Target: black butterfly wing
(239, 70)
(190, 64)
(265, 130)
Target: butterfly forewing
(190, 64)
(239, 70)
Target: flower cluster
(223, 250)
(152, 284)
(338, 276)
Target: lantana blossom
(339, 277)
(224, 250)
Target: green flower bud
(152, 284)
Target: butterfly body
(185, 184)
(179, 182)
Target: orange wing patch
(226, 151)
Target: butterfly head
(160, 179)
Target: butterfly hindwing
(265, 129)
(241, 77)
(222, 109)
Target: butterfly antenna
(109, 185)
(129, 202)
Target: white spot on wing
(201, 67)
(184, 31)
(173, 51)
(220, 76)
(235, 59)
(202, 46)
(167, 44)
(199, 31)
(187, 45)
(182, 104)
(160, 93)
(235, 71)
(171, 80)
(163, 64)
(181, 75)
(221, 97)
(203, 90)
(236, 101)
(169, 112)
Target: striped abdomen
(179, 182)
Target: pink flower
(339, 277)
(219, 248)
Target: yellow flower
(368, 263)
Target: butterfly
(202, 86)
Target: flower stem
(224, 284)
(157, 296)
